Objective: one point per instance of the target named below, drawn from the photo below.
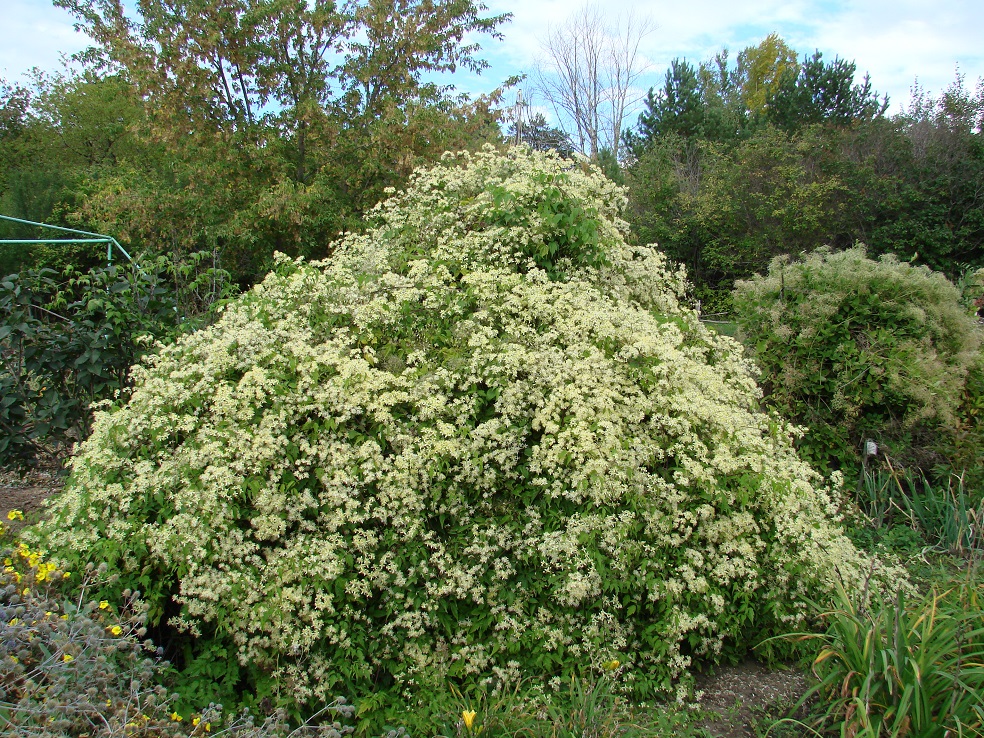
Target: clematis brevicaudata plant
(486, 440)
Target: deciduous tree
(56, 135)
(761, 69)
(589, 75)
(274, 124)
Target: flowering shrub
(484, 441)
(855, 348)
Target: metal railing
(94, 237)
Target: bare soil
(740, 701)
(26, 491)
(745, 700)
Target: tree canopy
(737, 163)
(249, 127)
(679, 107)
(817, 92)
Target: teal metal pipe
(99, 237)
(54, 240)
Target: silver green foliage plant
(485, 441)
(73, 667)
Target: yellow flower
(14, 621)
(611, 665)
(15, 515)
(469, 717)
(195, 721)
(103, 604)
(116, 630)
(176, 717)
(67, 657)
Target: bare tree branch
(589, 76)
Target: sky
(896, 41)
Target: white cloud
(894, 40)
(35, 34)
(899, 41)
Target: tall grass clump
(947, 518)
(854, 349)
(904, 667)
(485, 442)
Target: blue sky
(897, 41)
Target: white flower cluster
(431, 457)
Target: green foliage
(584, 706)
(68, 340)
(735, 164)
(962, 448)
(857, 349)
(677, 108)
(435, 459)
(948, 518)
(761, 69)
(904, 667)
(69, 130)
(721, 102)
(898, 540)
(569, 235)
(937, 210)
(268, 126)
(724, 210)
(815, 92)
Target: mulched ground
(741, 700)
(749, 697)
(25, 491)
